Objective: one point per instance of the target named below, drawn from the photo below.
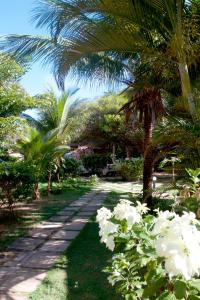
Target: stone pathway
(38, 251)
(32, 255)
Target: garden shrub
(130, 169)
(155, 257)
(95, 162)
(72, 166)
(94, 179)
(162, 204)
(189, 204)
(17, 181)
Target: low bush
(72, 166)
(17, 181)
(130, 169)
(95, 162)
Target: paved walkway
(38, 251)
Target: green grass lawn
(78, 274)
(39, 211)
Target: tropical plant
(194, 178)
(172, 160)
(42, 150)
(54, 115)
(107, 30)
(110, 39)
(46, 142)
(184, 139)
(149, 261)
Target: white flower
(178, 242)
(103, 214)
(176, 265)
(142, 208)
(107, 229)
(124, 211)
(162, 222)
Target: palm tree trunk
(148, 157)
(113, 153)
(127, 152)
(58, 177)
(49, 183)
(186, 87)
(36, 193)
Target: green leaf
(180, 288)
(167, 296)
(193, 297)
(130, 297)
(195, 284)
(153, 288)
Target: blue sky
(15, 17)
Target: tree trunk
(186, 88)
(36, 193)
(113, 154)
(127, 152)
(49, 183)
(58, 177)
(148, 157)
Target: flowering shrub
(155, 257)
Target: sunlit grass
(41, 211)
(78, 274)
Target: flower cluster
(165, 247)
(123, 211)
(107, 228)
(178, 242)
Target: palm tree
(53, 115)
(147, 104)
(104, 40)
(85, 36)
(184, 139)
(41, 150)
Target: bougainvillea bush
(155, 257)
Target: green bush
(189, 204)
(95, 162)
(162, 204)
(130, 169)
(17, 181)
(72, 166)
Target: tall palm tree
(94, 39)
(148, 104)
(92, 32)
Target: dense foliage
(94, 163)
(17, 180)
(155, 257)
(130, 169)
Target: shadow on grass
(78, 274)
(38, 211)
